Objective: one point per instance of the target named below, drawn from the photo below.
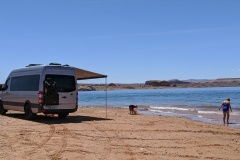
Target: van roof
(50, 64)
(80, 73)
(38, 67)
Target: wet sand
(88, 134)
(209, 116)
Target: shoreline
(215, 119)
(197, 104)
(89, 134)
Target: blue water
(196, 103)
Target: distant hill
(174, 83)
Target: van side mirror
(2, 87)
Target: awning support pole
(106, 94)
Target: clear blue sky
(131, 41)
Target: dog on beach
(133, 109)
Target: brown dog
(133, 109)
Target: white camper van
(47, 89)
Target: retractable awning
(84, 74)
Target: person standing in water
(225, 108)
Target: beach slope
(88, 134)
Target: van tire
(62, 115)
(2, 110)
(28, 112)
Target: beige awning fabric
(84, 74)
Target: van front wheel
(62, 115)
(28, 112)
(2, 110)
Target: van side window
(63, 83)
(25, 83)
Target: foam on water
(172, 108)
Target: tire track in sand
(103, 138)
(123, 141)
(58, 153)
(107, 146)
(40, 145)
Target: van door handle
(64, 97)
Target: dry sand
(87, 134)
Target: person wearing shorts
(226, 106)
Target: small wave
(173, 108)
(204, 118)
(153, 110)
(159, 111)
(209, 112)
(218, 112)
(235, 113)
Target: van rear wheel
(28, 112)
(2, 110)
(62, 115)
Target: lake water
(196, 103)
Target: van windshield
(63, 83)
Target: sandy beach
(88, 134)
